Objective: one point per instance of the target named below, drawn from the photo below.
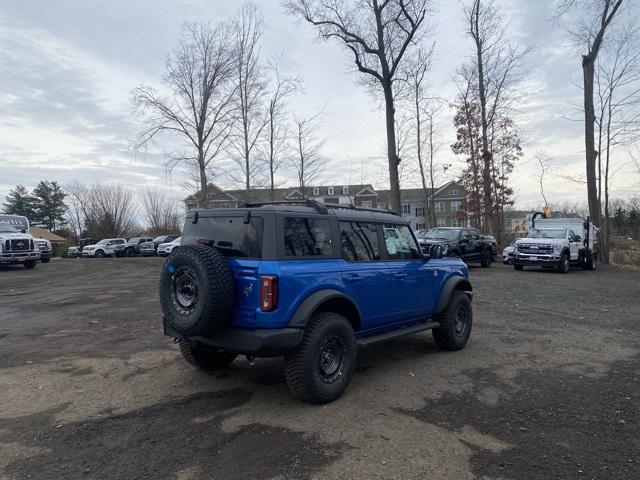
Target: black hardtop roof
(342, 212)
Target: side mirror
(577, 238)
(435, 251)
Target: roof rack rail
(307, 202)
(364, 209)
(319, 207)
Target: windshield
(547, 233)
(160, 239)
(177, 240)
(6, 228)
(103, 242)
(442, 234)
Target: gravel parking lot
(548, 387)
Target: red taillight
(268, 292)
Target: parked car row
(121, 247)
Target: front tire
(130, 252)
(518, 267)
(29, 264)
(320, 369)
(99, 254)
(564, 264)
(45, 260)
(455, 321)
(207, 360)
(487, 257)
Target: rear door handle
(399, 275)
(354, 278)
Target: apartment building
(449, 200)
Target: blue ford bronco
(311, 282)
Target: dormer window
(330, 191)
(453, 192)
(345, 190)
(209, 195)
(316, 191)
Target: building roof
(46, 234)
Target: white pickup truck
(16, 244)
(558, 243)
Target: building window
(367, 203)
(419, 226)
(316, 191)
(209, 195)
(330, 191)
(442, 222)
(453, 191)
(345, 190)
(191, 205)
(457, 222)
(406, 209)
(227, 205)
(456, 205)
(419, 211)
(383, 206)
(439, 207)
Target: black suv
(466, 243)
(309, 283)
(132, 248)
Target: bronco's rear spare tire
(196, 290)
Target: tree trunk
(203, 179)
(589, 140)
(271, 154)
(392, 156)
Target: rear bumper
(260, 342)
(11, 258)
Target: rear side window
(359, 241)
(307, 237)
(230, 235)
(400, 243)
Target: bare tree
(276, 131)
(251, 89)
(543, 160)
(198, 111)
(617, 78)
(160, 212)
(591, 35)
(424, 110)
(307, 161)
(498, 69)
(378, 33)
(103, 210)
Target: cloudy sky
(67, 69)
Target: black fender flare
(307, 308)
(453, 283)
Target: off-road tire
(590, 262)
(99, 254)
(563, 266)
(29, 264)
(487, 257)
(130, 252)
(448, 335)
(518, 267)
(45, 260)
(201, 302)
(207, 360)
(303, 368)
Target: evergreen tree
(20, 202)
(49, 207)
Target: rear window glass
(359, 241)
(230, 235)
(307, 237)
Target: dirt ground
(547, 388)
